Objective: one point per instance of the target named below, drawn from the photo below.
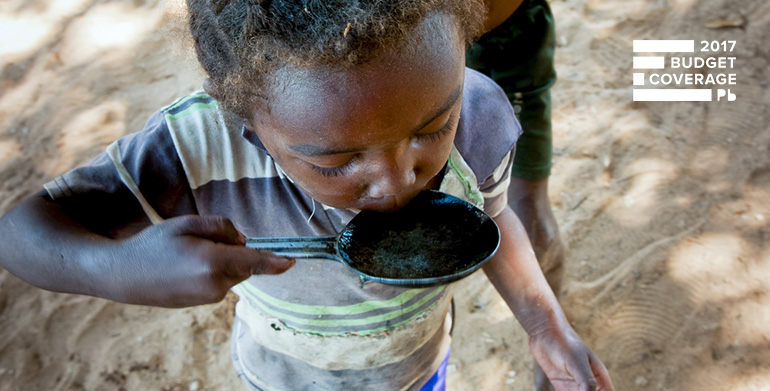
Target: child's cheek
(336, 191)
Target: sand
(664, 206)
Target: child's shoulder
(211, 143)
(190, 104)
(486, 108)
(488, 127)
(479, 85)
(198, 115)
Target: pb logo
(722, 93)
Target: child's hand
(564, 357)
(186, 261)
(569, 364)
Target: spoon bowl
(436, 239)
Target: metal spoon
(436, 239)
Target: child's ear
(212, 89)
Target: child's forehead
(390, 84)
(432, 51)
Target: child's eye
(435, 136)
(332, 171)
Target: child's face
(373, 136)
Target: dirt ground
(665, 206)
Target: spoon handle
(298, 247)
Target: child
(312, 112)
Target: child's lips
(381, 205)
(385, 204)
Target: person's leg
(518, 55)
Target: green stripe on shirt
(352, 309)
(308, 325)
(192, 109)
(179, 102)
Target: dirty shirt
(315, 327)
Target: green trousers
(518, 55)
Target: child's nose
(394, 175)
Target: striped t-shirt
(315, 327)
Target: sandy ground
(665, 206)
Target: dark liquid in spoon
(434, 239)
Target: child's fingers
(602, 375)
(215, 228)
(241, 262)
(584, 374)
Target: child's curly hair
(239, 42)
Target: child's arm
(181, 262)
(515, 273)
